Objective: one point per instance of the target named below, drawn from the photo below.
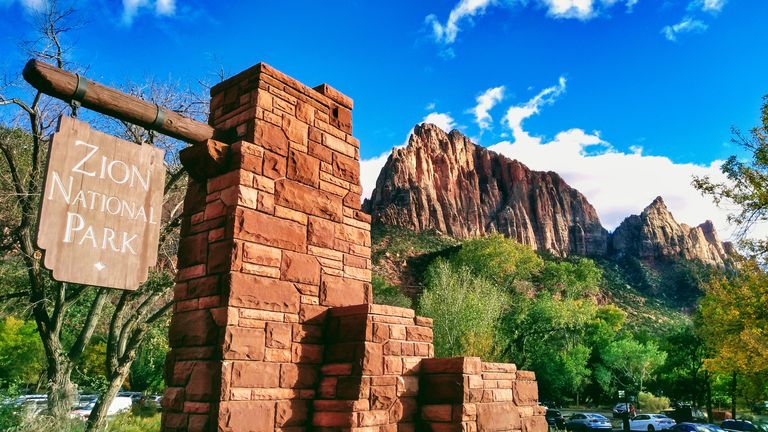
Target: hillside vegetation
(647, 295)
(586, 327)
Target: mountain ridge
(444, 182)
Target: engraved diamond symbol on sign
(99, 266)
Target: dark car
(555, 419)
(581, 422)
(689, 427)
(686, 414)
(622, 409)
(760, 407)
(739, 425)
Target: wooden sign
(100, 212)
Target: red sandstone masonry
(466, 394)
(272, 328)
(370, 376)
(266, 248)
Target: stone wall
(272, 327)
(370, 376)
(467, 394)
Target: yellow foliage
(734, 321)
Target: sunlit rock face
(654, 234)
(444, 182)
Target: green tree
(465, 309)
(65, 333)
(734, 325)
(571, 278)
(544, 322)
(633, 362)
(682, 375)
(747, 186)
(563, 372)
(500, 260)
(21, 353)
(388, 294)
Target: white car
(119, 404)
(650, 422)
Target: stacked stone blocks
(370, 376)
(273, 327)
(467, 394)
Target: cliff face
(445, 182)
(654, 234)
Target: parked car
(760, 407)
(581, 422)
(739, 425)
(687, 414)
(32, 405)
(135, 396)
(690, 427)
(650, 422)
(622, 408)
(555, 419)
(151, 401)
(714, 427)
(119, 404)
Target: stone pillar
(272, 235)
(272, 326)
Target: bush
(500, 260)
(385, 293)
(465, 309)
(21, 352)
(572, 278)
(125, 422)
(651, 403)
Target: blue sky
(654, 83)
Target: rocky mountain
(654, 234)
(442, 181)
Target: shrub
(651, 403)
(500, 260)
(387, 294)
(465, 309)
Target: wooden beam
(106, 100)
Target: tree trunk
(61, 390)
(733, 395)
(708, 383)
(98, 417)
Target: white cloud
(579, 9)
(132, 8)
(615, 182)
(442, 120)
(712, 5)
(687, 25)
(485, 102)
(165, 7)
(464, 10)
(28, 5)
(34, 5)
(369, 172)
(517, 113)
